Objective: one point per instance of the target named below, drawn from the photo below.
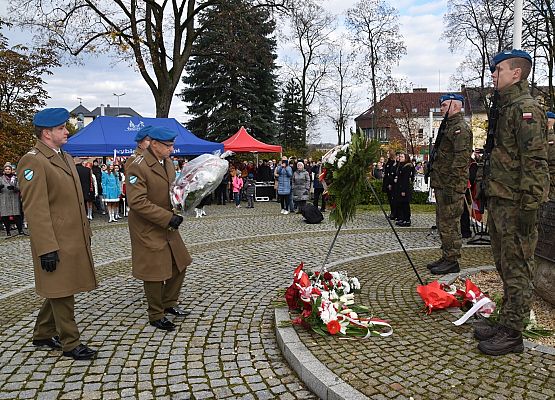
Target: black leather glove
(48, 261)
(11, 187)
(527, 221)
(175, 221)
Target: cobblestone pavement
(226, 348)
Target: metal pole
(118, 96)
(395, 232)
(517, 25)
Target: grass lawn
(415, 208)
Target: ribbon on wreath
(365, 323)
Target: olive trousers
(164, 294)
(57, 318)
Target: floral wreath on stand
(323, 301)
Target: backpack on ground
(312, 214)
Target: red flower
(305, 280)
(292, 297)
(316, 291)
(333, 327)
(298, 273)
(323, 174)
(328, 276)
(306, 312)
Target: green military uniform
(159, 256)
(516, 186)
(54, 208)
(551, 162)
(449, 178)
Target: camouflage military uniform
(449, 178)
(516, 185)
(551, 162)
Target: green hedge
(417, 197)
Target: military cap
(51, 117)
(550, 114)
(451, 96)
(162, 133)
(144, 132)
(505, 55)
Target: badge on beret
(132, 179)
(28, 174)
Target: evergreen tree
(231, 80)
(290, 118)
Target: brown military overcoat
(152, 243)
(54, 209)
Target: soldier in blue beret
(60, 234)
(516, 185)
(159, 256)
(143, 141)
(449, 179)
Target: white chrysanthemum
(341, 162)
(345, 147)
(346, 286)
(333, 295)
(355, 283)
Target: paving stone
(227, 347)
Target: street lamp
(118, 96)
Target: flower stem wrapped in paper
(199, 177)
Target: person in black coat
(403, 190)
(85, 177)
(388, 183)
(264, 172)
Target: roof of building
(414, 104)
(80, 109)
(114, 112)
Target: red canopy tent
(242, 142)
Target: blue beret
(550, 114)
(144, 132)
(51, 117)
(505, 55)
(162, 133)
(451, 96)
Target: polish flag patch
(527, 115)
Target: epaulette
(33, 152)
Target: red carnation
(333, 327)
(328, 276)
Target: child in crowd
(237, 184)
(250, 188)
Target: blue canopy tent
(106, 135)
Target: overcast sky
(428, 63)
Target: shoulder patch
(527, 115)
(33, 152)
(28, 174)
(132, 179)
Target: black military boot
(446, 267)
(505, 341)
(484, 330)
(435, 263)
